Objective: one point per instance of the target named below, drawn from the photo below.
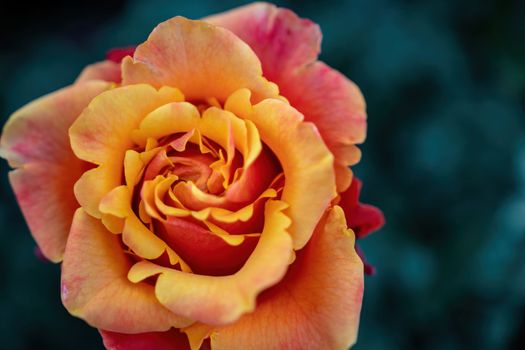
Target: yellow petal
(166, 120)
(146, 244)
(222, 300)
(196, 333)
(117, 202)
(233, 240)
(102, 132)
(133, 167)
(96, 183)
(113, 224)
(239, 103)
(306, 161)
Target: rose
(208, 192)
(195, 162)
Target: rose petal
(171, 118)
(254, 224)
(95, 287)
(198, 336)
(281, 39)
(103, 131)
(117, 54)
(35, 140)
(105, 70)
(335, 105)
(255, 177)
(316, 306)
(139, 238)
(307, 164)
(178, 52)
(102, 134)
(362, 218)
(47, 205)
(205, 252)
(94, 184)
(242, 214)
(222, 300)
(155, 191)
(365, 219)
(170, 340)
(288, 47)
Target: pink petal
(287, 47)
(109, 69)
(35, 141)
(362, 218)
(105, 70)
(170, 340)
(117, 54)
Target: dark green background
(445, 159)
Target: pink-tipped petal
(281, 39)
(35, 141)
(198, 58)
(109, 69)
(335, 105)
(288, 47)
(105, 70)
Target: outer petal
(199, 59)
(96, 289)
(109, 69)
(307, 164)
(105, 70)
(315, 307)
(281, 39)
(170, 340)
(35, 140)
(335, 105)
(362, 218)
(287, 47)
(117, 54)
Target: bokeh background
(444, 159)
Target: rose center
(199, 179)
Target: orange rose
(192, 199)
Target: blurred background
(444, 159)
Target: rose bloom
(197, 189)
